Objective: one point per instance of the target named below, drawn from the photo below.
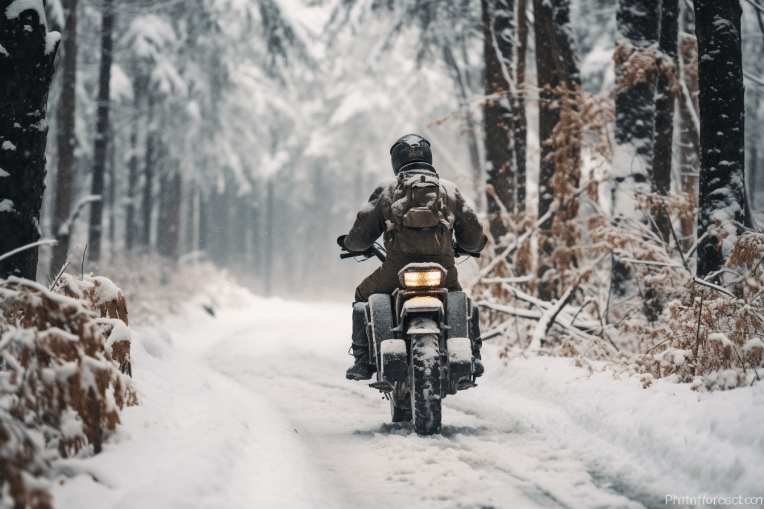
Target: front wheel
(425, 383)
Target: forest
(610, 148)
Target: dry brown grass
(61, 391)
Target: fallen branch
(548, 318)
(646, 262)
(535, 315)
(715, 287)
(518, 242)
(65, 230)
(520, 279)
(28, 246)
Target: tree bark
(638, 24)
(689, 135)
(521, 122)
(148, 199)
(112, 196)
(722, 134)
(102, 132)
(557, 64)
(174, 217)
(66, 139)
(269, 244)
(131, 228)
(472, 144)
(557, 69)
(26, 67)
(497, 117)
(664, 114)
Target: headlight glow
(415, 279)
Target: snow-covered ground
(250, 409)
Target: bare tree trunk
(664, 115)
(557, 69)
(66, 140)
(498, 118)
(472, 143)
(638, 25)
(174, 222)
(521, 122)
(689, 129)
(148, 199)
(112, 195)
(722, 129)
(256, 246)
(269, 244)
(131, 228)
(26, 67)
(102, 132)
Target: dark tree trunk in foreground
(26, 67)
(497, 117)
(664, 114)
(66, 142)
(100, 151)
(722, 119)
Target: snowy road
(251, 409)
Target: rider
(411, 156)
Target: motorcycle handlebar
(374, 250)
(379, 252)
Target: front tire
(425, 383)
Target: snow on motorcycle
(420, 340)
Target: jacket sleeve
(369, 224)
(467, 229)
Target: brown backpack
(419, 220)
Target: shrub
(61, 389)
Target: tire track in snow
(485, 457)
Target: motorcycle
(419, 340)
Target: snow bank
(199, 439)
(710, 442)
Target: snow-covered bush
(61, 390)
(649, 325)
(157, 287)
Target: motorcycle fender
(395, 366)
(459, 359)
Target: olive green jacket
(375, 219)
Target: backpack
(419, 218)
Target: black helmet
(410, 148)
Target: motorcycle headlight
(421, 277)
